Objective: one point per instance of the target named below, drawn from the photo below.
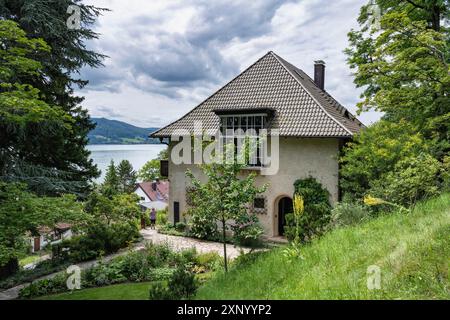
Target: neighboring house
(272, 94)
(50, 236)
(153, 194)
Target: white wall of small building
(45, 240)
(142, 195)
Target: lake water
(137, 154)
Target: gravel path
(175, 242)
(180, 243)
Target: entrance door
(37, 244)
(284, 207)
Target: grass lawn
(412, 250)
(125, 291)
(29, 259)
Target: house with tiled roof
(275, 95)
(153, 194)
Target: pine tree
(126, 177)
(110, 184)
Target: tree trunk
(224, 239)
(436, 18)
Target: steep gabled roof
(160, 194)
(301, 108)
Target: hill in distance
(117, 132)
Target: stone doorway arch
(283, 206)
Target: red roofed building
(153, 194)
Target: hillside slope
(118, 132)
(412, 251)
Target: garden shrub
(317, 210)
(161, 217)
(99, 239)
(57, 284)
(346, 214)
(209, 261)
(445, 174)
(413, 179)
(202, 226)
(247, 231)
(180, 226)
(158, 291)
(392, 161)
(169, 229)
(42, 268)
(182, 285)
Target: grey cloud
(177, 60)
(223, 21)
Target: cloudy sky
(165, 56)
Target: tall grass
(412, 251)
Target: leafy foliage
(316, 213)
(391, 161)
(151, 169)
(63, 149)
(412, 179)
(22, 212)
(347, 214)
(26, 120)
(247, 230)
(182, 285)
(403, 66)
(154, 263)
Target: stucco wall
(299, 158)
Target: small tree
(110, 184)
(224, 196)
(150, 170)
(126, 177)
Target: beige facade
(298, 158)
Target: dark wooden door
(176, 212)
(37, 243)
(284, 207)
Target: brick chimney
(319, 73)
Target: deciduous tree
(401, 60)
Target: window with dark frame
(259, 203)
(232, 123)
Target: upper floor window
(231, 123)
(248, 124)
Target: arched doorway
(284, 207)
